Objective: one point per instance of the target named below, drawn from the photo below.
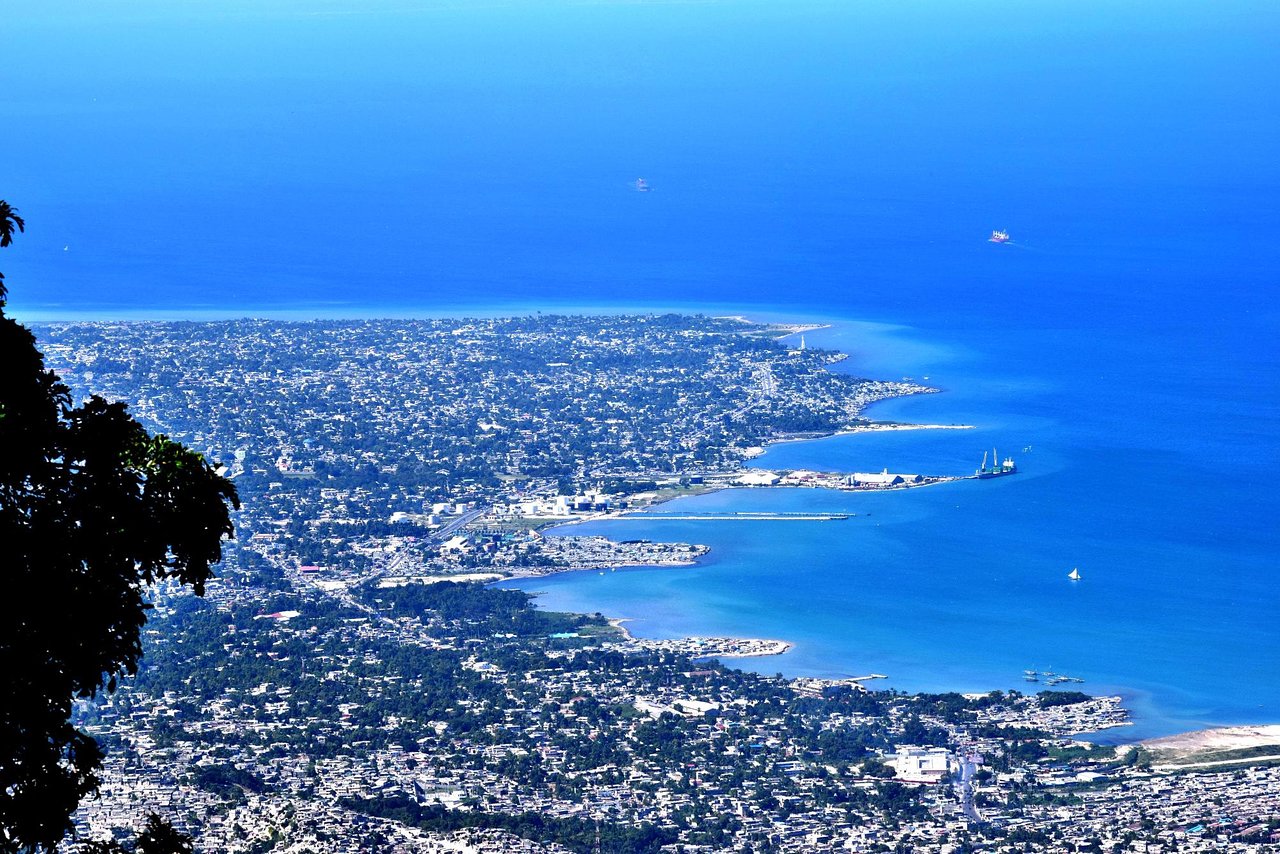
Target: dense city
(352, 683)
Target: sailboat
(1074, 575)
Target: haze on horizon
(181, 157)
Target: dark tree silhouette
(9, 223)
(93, 510)
(9, 220)
(158, 837)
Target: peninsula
(431, 447)
(352, 683)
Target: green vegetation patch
(487, 610)
(227, 781)
(579, 835)
(1048, 699)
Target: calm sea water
(807, 159)
(1136, 473)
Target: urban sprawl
(353, 683)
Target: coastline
(867, 429)
(1215, 748)
(617, 623)
(700, 648)
(526, 573)
(770, 647)
(873, 427)
(773, 647)
(1237, 737)
(889, 426)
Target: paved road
(464, 519)
(968, 768)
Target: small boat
(1074, 575)
(998, 236)
(642, 186)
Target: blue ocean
(833, 162)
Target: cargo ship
(999, 236)
(997, 468)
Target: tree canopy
(157, 837)
(10, 223)
(93, 510)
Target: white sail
(1074, 575)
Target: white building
(884, 478)
(920, 764)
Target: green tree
(93, 510)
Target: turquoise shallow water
(808, 158)
(1130, 475)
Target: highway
(462, 521)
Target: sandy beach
(1219, 738)
(617, 622)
